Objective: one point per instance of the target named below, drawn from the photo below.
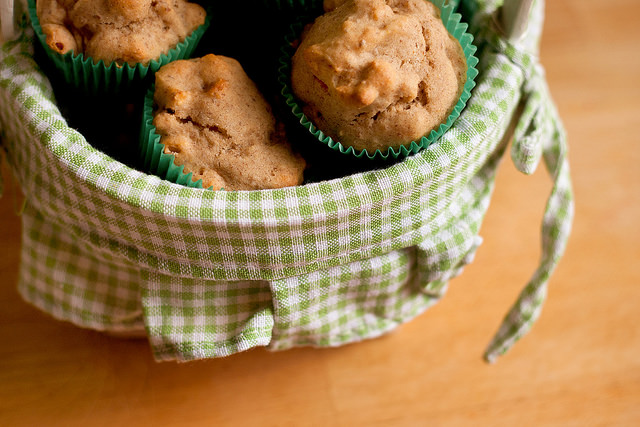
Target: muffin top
(121, 31)
(213, 118)
(375, 74)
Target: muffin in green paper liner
(385, 149)
(91, 76)
(207, 114)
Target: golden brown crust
(212, 117)
(374, 73)
(122, 31)
(53, 18)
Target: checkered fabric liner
(208, 274)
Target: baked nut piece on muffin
(374, 74)
(213, 118)
(121, 31)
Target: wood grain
(580, 365)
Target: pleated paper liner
(94, 78)
(155, 160)
(453, 25)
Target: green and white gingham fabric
(208, 274)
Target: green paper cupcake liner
(453, 25)
(155, 160)
(94, 78)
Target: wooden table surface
(580, 365)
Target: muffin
(376, 74)
(120, 31)
(211, 116)
(104, 47)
